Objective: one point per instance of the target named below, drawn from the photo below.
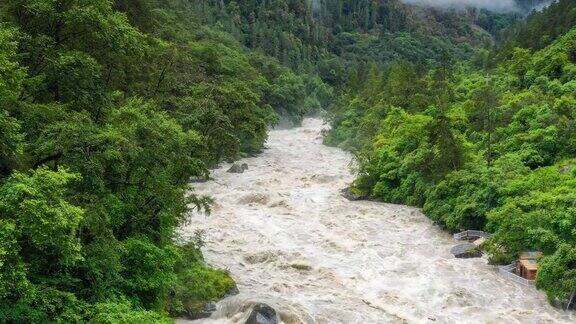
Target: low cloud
(543, 5)
(493, 5)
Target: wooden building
(527, 266)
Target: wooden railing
(471, 234)
(508, 272)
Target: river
(292, 241)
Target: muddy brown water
(292, 241)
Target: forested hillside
(109, 108)
(486, 144)
(106, 111)
(338, 39)
(541, 28)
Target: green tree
(39, 243)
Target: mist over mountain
(492, 5)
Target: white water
(290, 240)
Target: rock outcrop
(207, 311)
(351, 194)
(262, 314)
(238, 168)
(466, 251)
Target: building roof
(479, 242)
(530, 265)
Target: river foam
(292, 241)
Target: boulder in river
(352, 194)
(262, 314)
(200, 179)
(238, 168)
(207, 311)
(301, 265)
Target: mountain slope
(340, 37)
(104, 119)
(477, 148)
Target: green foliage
(104, 117)
(338, 38)
(39, 241)
(148, 271)
(11, 79)
(287, 94)
(558, 273)
(478, 149)
(461, 199)
(123, 312)
(11, 142)
(541, 28)
(197, 284)
(12, 74)
(536, 211)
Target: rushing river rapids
(291, 241)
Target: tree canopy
(484, 144)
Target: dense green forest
(109, 108)
(487, 143)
